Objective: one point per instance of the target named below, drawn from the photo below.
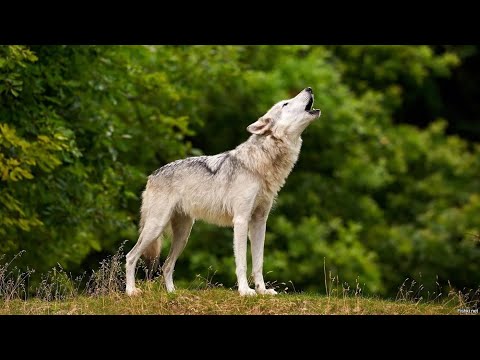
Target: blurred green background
(387, 186)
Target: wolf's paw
(133, 291)
(267, 292)
(247, 292)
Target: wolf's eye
(284, 105)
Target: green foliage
(375, 201)
(71, 137)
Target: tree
(373, 198)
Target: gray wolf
(235, 188)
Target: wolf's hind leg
(181, 227)
(154, 225)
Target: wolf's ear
(261, 126)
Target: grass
(155, 300)
(102, 292)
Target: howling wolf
(235, 188)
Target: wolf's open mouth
(309, 104)
(310, 109)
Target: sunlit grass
(102, 292)
(155, 300)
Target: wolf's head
(287, 118)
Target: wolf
(235, 188)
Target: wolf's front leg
(240, 230)
(257, 229)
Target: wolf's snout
(309, 89)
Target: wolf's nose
(309, 89)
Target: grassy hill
(155, 300)
(102, 292)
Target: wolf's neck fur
(270, 158)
